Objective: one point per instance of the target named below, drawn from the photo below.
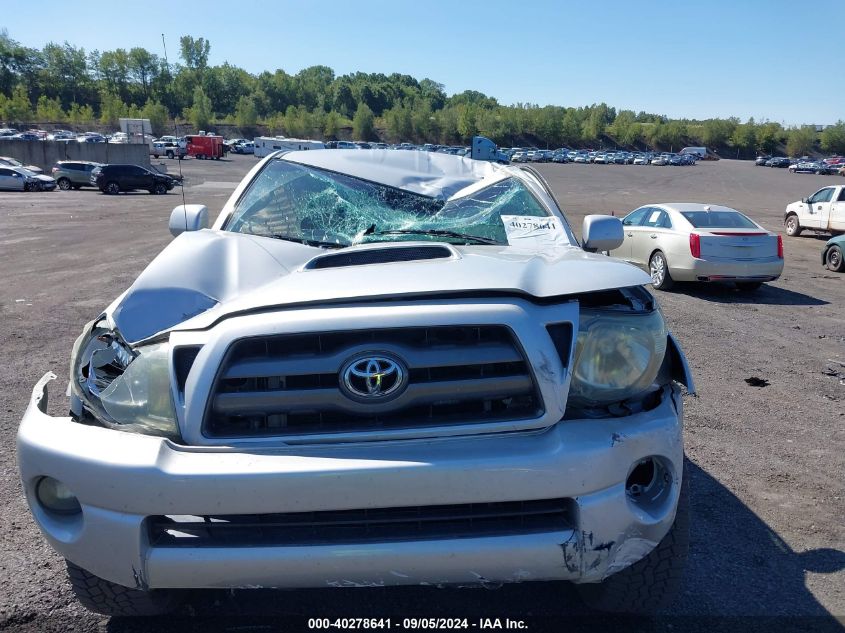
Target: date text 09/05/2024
(415, 623)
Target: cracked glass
(322, 208)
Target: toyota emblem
(370, 377)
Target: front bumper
(122, 478)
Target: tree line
(64, 83)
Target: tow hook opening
(649, 484)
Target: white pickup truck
(823, 212)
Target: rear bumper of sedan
(709, 270)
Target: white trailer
(266, 145)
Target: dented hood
(203, 276)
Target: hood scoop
(381, 255)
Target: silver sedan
(700, 242)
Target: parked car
(779, 161)
(21, 179)
(170, 149)
(659, 160)
(248, 413)
(832, 254)
(810, 167)
(697, 242)
(73, 174)
(26, 136)
(762, 161)
(822, 212)
(8, 161)
(247, 147)
(113, 179)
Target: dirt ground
(766, 463)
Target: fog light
(56, 497)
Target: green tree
(194, 52)
(363, 123)
(80, 114)
(769, 136)
(158, 116)
(744, 137)
(18, 107)
(801, 140)
(143, 68)
(47, 109)
(246, 114)
(717, 132)
(111, 108)
(833, 138)
(200, 113)
(331, 125)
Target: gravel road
(766, 463)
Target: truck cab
(822, 212)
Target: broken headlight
(617, 356)
(124, 388)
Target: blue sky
(771, 59)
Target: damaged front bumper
(123, 479)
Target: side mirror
(805, 200)
(188, 217)
(602, 233)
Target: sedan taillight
(780, 246)
(695, 245)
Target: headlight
(617, 356)
(124, 388)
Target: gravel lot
(766, 463)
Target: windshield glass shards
(321, 208)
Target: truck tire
(101, 596)
(793, 226)
(651, 583)
(833, 259)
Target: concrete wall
(44, 154)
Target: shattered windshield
(322, 208)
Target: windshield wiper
(301, 240)
(441, 232)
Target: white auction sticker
(531, 231)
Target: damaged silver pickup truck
(376, 368)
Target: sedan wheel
(160, 188)
(659, 269)
(793, 228)
(833, 259)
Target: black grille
(379, 256)
(362, 526)
(289, 384)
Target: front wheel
(833, 260)
(64, 184)
(793, 227)
(101, 596)
(651, 583)
(112, 188)
(160, 189)
(659, 269)
(169, 155)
